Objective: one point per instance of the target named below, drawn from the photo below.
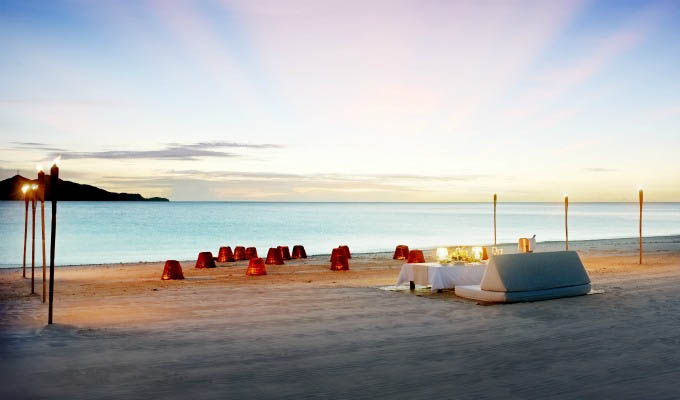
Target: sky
(317, 100)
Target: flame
(566, 195)
(640, 188)
(25, 188)
(57, 161)
(39, 168)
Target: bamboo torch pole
(566, 220)
(54, 182)
(34, 194)
(495, 198)
(41, 191)
(641, 201)
(24, 189)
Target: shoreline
(622, 244)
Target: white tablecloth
(441, 276)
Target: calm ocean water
(109, 232)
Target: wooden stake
(41, 191)
(54, 181)
(25, 228)
(495, 198)
(641, 196)
(566, 220)
(33, 194)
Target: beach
(304, 331)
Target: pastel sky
(346, 100)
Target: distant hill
(10, 189)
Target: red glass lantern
(274, 256)
(339, 261)
(239, 253)
(347, 252)
(251, 252)
(299, 251)
(285, 252)
(225, 255)
(256, 267)
(172, 270)
(400, 253)
(415, 257)
(205, 260)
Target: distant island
(10, 189)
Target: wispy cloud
(35, 146)
(172, 151)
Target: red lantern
(205, 260)
(285, 253)
(239, 253)
(251, 252)
(400, 253)
(299, 251)
(225, 255)
(346, 249)
(274, 257)
(415, 257)
(339, 261)
(172, 270)
(256, 267)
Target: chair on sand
(513, 278)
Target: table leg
(412, 285)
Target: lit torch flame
(57, 161)
(39, 168)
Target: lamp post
(34, 194)
(54, 182)
(566, 220)
(640, 193)
(24, 190)
(41, 193)
(495, 198)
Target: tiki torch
(566, 220)
(41, 194)
(54, 181)
(495, 198)
(24, 190)
(34, 194)
(641, 200)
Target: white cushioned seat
(530, 277)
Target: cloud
(172, 151)
(35, 146)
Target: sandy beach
(304, 331)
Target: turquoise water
(108, 232)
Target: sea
(115, 232)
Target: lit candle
(41, 193)
(477, 253)
(641, 200)
(24, 190)
(442, 253)
(566, 220)
(54, 182)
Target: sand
(304, 331)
